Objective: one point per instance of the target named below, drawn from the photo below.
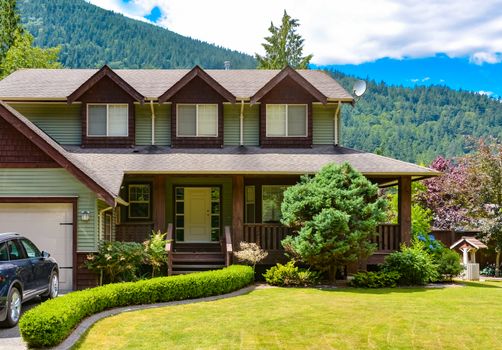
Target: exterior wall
(100, 205)
(231, 115)
(54, 182)
(323, 124)
(144, 124)
(59, 120)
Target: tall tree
(10, 23)
(283, 47)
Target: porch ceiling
(109, 166)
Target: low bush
(290, 275)
(379, 279)
(448, 264)
(414, 265)
(250, 253)
(51, 322)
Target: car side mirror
(45, 254)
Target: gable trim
(297, 77)
(197, 72)
(54, 153)
(105, 71)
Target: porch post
(404, 208)
(237, 209)
(159, 203)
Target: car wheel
(53, 287)
(13, 308)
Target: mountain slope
(417, 124)
(91, 36)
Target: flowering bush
(156, 255)
(250, 253)
(290, 275)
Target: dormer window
(197, 120)
(286, 120)
(107, 120)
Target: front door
(197, 214)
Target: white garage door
(48, 225)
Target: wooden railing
(133, 232)
(267, 236)
(169, 249)
(389, 237)
(228, 246)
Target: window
(107, 234)
(272, 197)
(30, 249)
(200, 120)
(139, 201)
(107, 120)
(250, 209)
(4, 256)
(14, 251)
(286, 120)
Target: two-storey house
(87, 155)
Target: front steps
(197, 257)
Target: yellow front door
(197, 214)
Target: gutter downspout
(153, 122)
(336, 118)
(241, 142)
(100, 219)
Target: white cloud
(342, 31)
(425, 79)
(487, 93)
(415, 80)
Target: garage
(49, 226)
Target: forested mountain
(417, 124)
(91, 36)
(412, 124)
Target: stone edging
(69, 342)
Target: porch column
(159, 203)
(404, 208)
(237, 209)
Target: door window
(4, 255)
(14, 251)
(30, 249)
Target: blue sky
(457, 43)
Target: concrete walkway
(11, 340)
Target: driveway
(9, 337)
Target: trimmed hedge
(52, 321)
(379, 279)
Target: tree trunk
(497, 264)
(332, 274)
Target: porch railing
(169, 249)
(267, 236)
(228, 246)
(388, 239)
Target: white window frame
(107, 116)
(286, 119)
(197, 118)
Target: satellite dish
(359, 88)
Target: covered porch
(207, 216)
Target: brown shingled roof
(57, 84)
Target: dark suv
(25, 272)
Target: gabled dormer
(108, 118)
(286, 110)
(197, 110)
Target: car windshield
(31, 250)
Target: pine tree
(283, 47)
(10, 23)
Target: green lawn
(467, 317)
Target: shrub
(448, 264)
(413, 263)
(488, 270)
(116, 261)
(379, 279)
(250, 253)
(51, 322)
(156, 255)
(290, 275)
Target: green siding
(323, 127)
(60, 121)
(226, 194)
(144, 124)
(101, 227)
(54, 182)
(231, 115)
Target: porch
(206, 217)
